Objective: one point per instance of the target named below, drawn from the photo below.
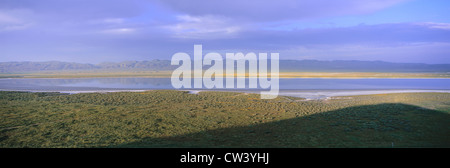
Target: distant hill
(20, 67)
(285, 65)
(10, 67)
(359, 66)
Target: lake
(301, 87)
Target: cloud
(5, 18)
(270, 10)
(15, 27)
(113, 20)
(57, 10)
(119, 31)
(68, 17)
(15, 19)
(399, 42)
(204, 27)
(411, 52)
(381, 34)
(445, 26)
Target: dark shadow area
(382, 125)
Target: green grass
(168, 118)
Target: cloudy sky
(94, 31)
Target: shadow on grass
(382, 125)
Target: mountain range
(285, 65)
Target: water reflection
(165, 83)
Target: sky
(95, 31)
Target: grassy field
(167, 74)
(167, 118)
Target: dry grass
(168, 118)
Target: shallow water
(299, 87)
